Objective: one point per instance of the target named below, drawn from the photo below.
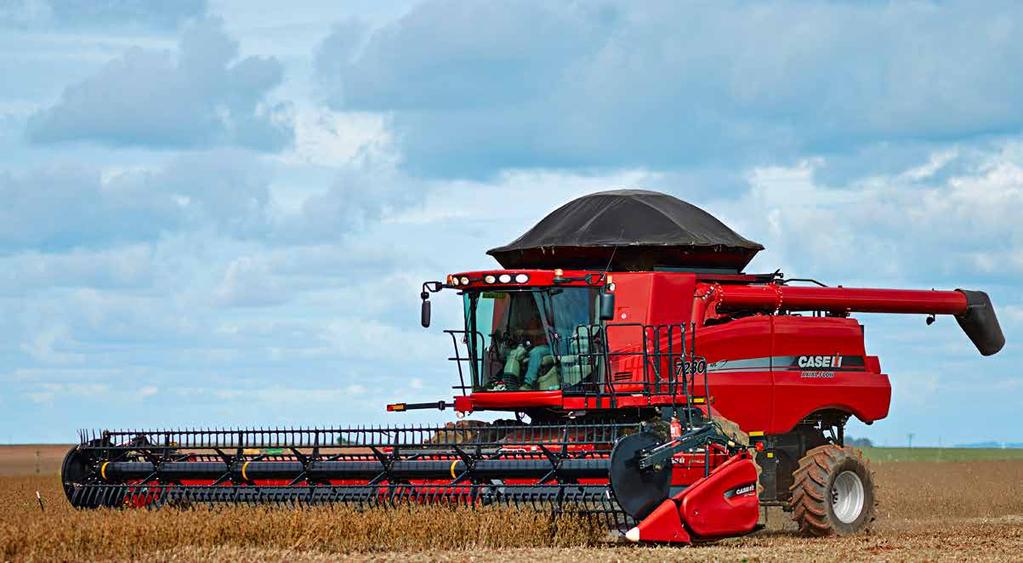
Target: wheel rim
(847, 497)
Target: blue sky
(219, 212)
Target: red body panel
(722, 504)
(753, 336)
(663, 525)
(768, 394)
(864, 392)
(743, 395)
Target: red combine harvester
(653, 385)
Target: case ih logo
(742, 491)
(819, 361)
(746, 490)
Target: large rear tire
(833, 492)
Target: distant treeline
(866, 443)
(988, 445)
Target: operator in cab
(532, 348)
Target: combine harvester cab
(648, 376)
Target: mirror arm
(428, 288)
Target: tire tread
(810, 496)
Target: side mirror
(424, 313)
(428, 288)
(607, 306)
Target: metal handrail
(669, 366)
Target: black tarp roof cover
(629, 230)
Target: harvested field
(32, 459)
(957, 510)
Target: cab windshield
(529, 340)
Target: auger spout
(972, 309)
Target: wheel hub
(847, 496)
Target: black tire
(833, 492)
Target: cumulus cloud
(249, 282)
(109, 12)
(335, 139)
(61, 207)
(52, 345)
(203, 95)
(362, 193)
(125, 267)
(99, 13)
(950, 219)
(475, 88)
(47, 392)
(67, 206)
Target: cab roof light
(521, 278)
(504, 278)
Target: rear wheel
(833, 492)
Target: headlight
(521, 278)
(464, 280)
(504, 278)
(489, 278)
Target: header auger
(648, 377)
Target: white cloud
(474, 88)
(51, 345)
(368, 339)
(122, 266)
(49, 392)
(913, 225)
(202, 96)
(328, 138)
(98, 13)
(249, 282)
(60, 207)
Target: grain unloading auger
(646, 374)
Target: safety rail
(664, 360)
(459, 359)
